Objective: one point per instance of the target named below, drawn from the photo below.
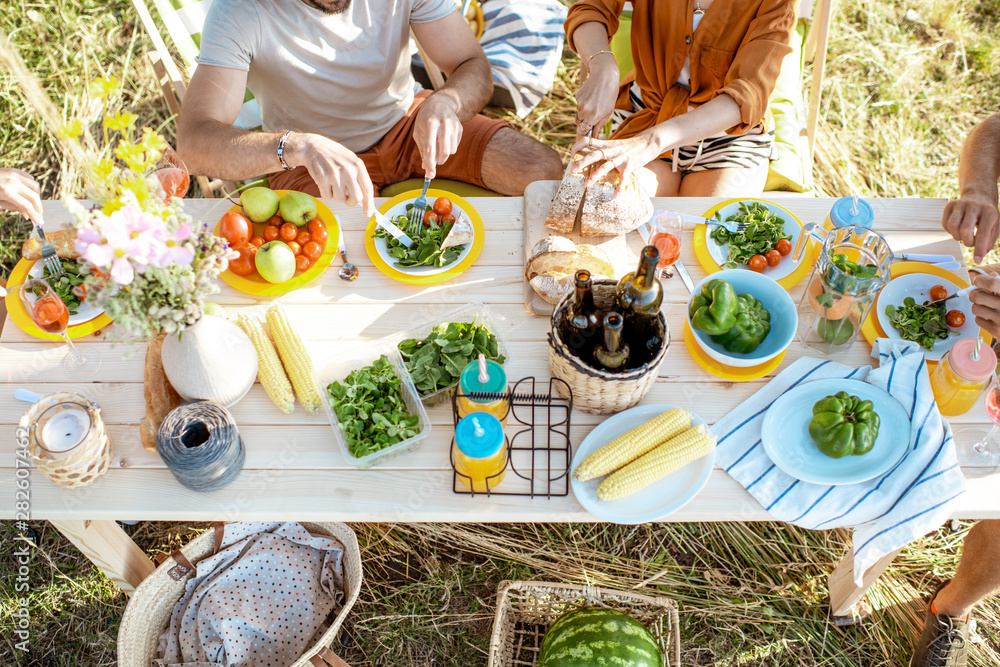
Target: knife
(931, 259)
(961, 292)
(385, 223)
(685, 276)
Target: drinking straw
(854, 203)
(201, 445)
(484, 375)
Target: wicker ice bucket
(151, 605)
(82, 464)
(595, 391)
(526, 609)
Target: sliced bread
(605, 215)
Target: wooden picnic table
(294, 470)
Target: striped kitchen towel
(887, 512)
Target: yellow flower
(133, 155)
(104, 87)
(104, 170)
(70, 129)
(152, 143)
(121, 121)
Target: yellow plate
(727, 372)
(872, 330)
(19, 314)
(254, 284)
(701, 240)
(402, 275)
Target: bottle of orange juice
(959, 379)
(479, 452)
(483, 376)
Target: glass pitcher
(852, 267)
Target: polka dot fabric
(259, 602)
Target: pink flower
(125, 242)
(174, 250)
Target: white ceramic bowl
(774, 298)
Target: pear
(259, 203)
(298, 208)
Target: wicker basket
(80, 466)
(151, 606)
(526, 609)
(597, 391)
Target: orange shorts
(396, 158)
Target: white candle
(65, 430)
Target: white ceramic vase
(211, 360)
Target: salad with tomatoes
(433, 246)
(763, 242)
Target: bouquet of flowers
(147, 263)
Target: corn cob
(630, 446)
(269, 370)
(677, 452)
(296, 359)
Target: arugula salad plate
(918, 286)
(656, 500)
(785, 434)
(87, 320)
(713, 256)
(378, 252)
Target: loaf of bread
(603, 214)
(161, 398)
(63, 240)
(555, 254)
(566, 204)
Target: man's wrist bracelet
(281, 151)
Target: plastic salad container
(339, 367)
(474, 312)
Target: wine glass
(51, 315)
(983, 456)
(667, 230)
(173, 174)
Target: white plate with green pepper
(79, 311)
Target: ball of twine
(201, 445)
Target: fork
(416, 217)
(49, 255)
(731, 226)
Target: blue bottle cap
(496, 381)
(841, 215)
(479, 435)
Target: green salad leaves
(437, 361)
(764, 231)
(64, 284)
(426, 249)
(922, 324)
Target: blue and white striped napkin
(887, 512)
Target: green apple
(259, 203)
(212, 308)
(275, 262)
(298, 208)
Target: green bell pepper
(751, 326)
(843, 425)
(713, 310)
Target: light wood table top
(294, 470)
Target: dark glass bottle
(581, 325)
(613, 354)
(638, 298)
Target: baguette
(63, 240)
(160, 396)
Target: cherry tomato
(784, 247)
(289, 231)
(757, 263)
(302, 263)
(314, 225)
(447, 217)
(773, 257)
(312, 250)
(244, 264)
(939, 292)
(275, 220)
(320, 235)
(257, 241)
(271, 233)
(234, 227)
(442, 206)
(303, 237)
(954, 318)
(429, 217)
(296, 248)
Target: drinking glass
(173, 174)
(51, 315)
(983, 456)
(667, 230)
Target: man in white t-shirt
(340, 117)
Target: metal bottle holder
(539, 453)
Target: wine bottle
(613, 354)
(581, 325)
(638, 297)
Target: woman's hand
(597, 94)
(625, 155)
(20, 192)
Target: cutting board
(623, 249)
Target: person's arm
(599, 77)
(973, 217)
(451, 45)
(209, 144)
(20, 192)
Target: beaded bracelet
(281, 151)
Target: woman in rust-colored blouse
(691, 119)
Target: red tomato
(319, 235)
(315, 224)
(234, 227)
(447, 217)
(296, 248)
(939, 292)
(312, 250)
(244, 264)
(757, 263)
(442, 206)
(773, 257)
(275, 220)
(955, 318)
(784, 247)
(303, 237)
(429, 217)
(289, 231)
(271, 233)
(302, 263)
(257, 241)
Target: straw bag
(149, 610)
(526, 609)
(595, 391)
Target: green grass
(899, 98)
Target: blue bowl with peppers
(727, 348)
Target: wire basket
(526, 609)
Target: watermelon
(598, 637)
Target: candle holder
(67, 439)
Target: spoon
(348, 272)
